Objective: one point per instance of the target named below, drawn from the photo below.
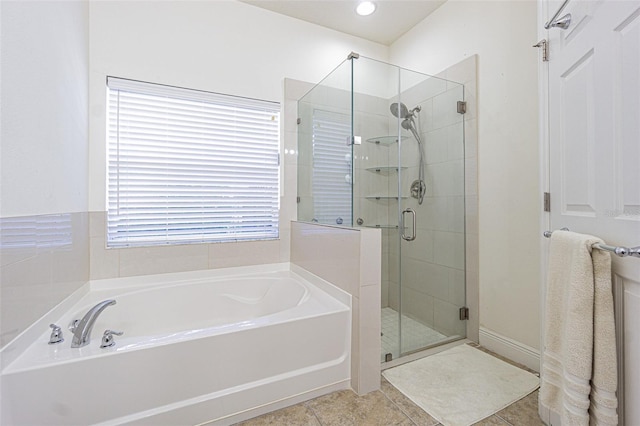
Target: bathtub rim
(14, 349)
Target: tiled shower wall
(432, 267)
(436, 266)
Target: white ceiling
(391, 19)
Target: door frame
(543, 139)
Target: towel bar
(620, 251)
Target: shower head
(406, 124)
(399, 110)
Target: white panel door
(594, 153)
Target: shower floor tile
(415, 335)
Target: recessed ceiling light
(365, 8)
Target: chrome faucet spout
(82, 332)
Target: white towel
(579, 373)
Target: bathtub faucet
(82, 330)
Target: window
(331, 168)
(189, 166)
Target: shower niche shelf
(384, 170)
(385, 140)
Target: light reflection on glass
(46, 231)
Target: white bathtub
(208, 346)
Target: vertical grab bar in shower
(413, 213)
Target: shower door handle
(413, 236)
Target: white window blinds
(189, 166)
(331, 168)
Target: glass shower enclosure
(383, 147)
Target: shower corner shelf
(385, 140)
(384, 170)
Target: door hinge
(545, 49)
(547, 202)
(354, 140)
(298, 121)
(298, 199)
(461, 107)
(464, 313)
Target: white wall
(501, 33)
(44, 102)
(221, 46)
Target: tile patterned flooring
(414, 334)
(385, 407)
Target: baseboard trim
(512, 349)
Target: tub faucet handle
(107, 338)
(56, 334)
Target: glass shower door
(431, 212)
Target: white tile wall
(450, 208)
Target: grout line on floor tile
(397, 406)
(315, 415)
(503, 419)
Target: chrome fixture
(400, 110)
(56, 334)
(107, 338)
(562, 22)
(413, 213)
(73, 325)
(618, 251)
(545, 49)
(82, 331)
(417, 188)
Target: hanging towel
(579, 373)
